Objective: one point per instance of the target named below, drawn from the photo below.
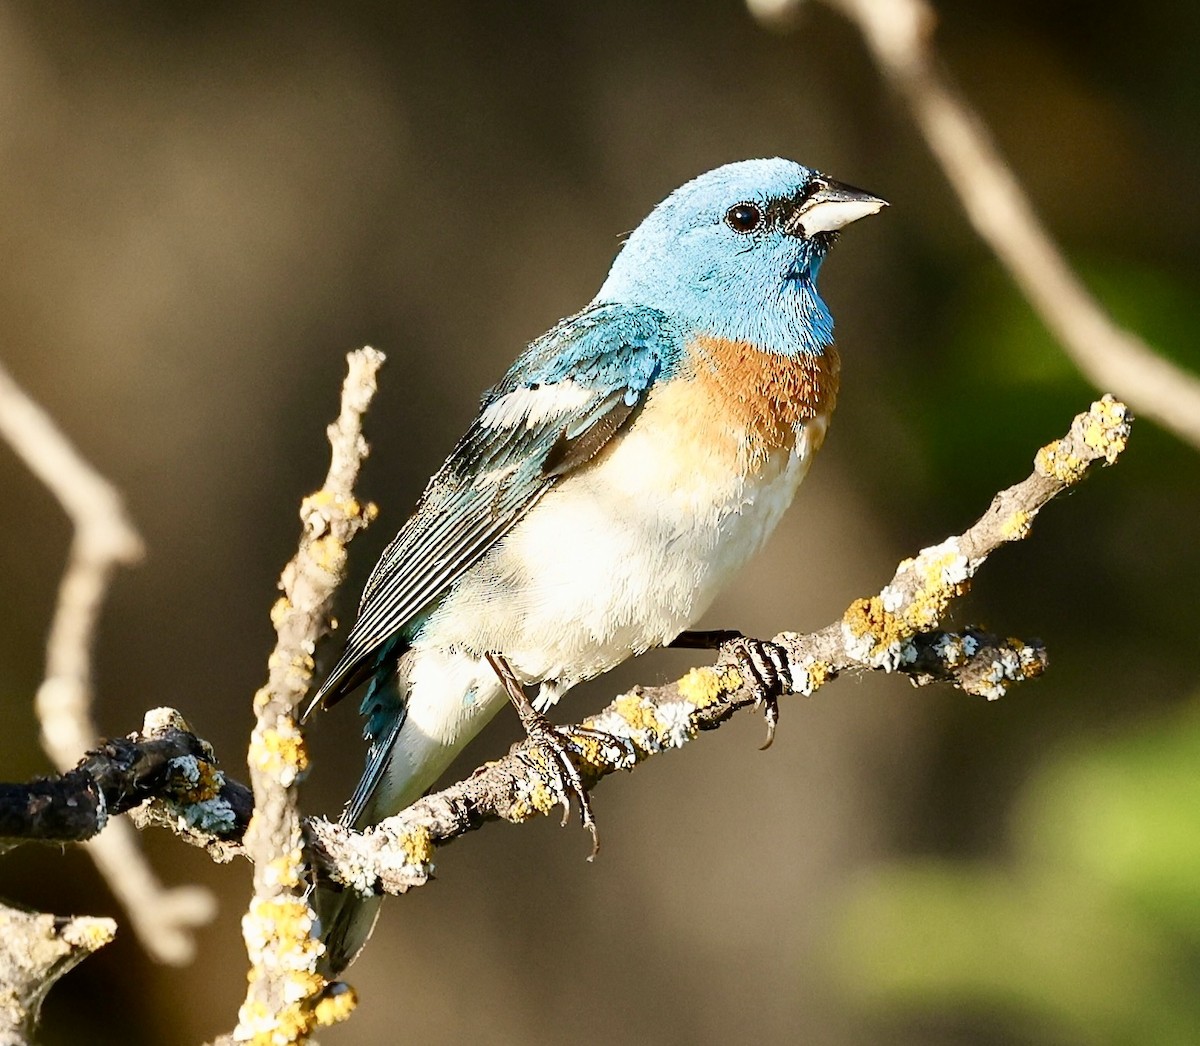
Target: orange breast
(760, 398)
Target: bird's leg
(764, 667)
(552, 741)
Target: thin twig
(104, 540)
(899, 34)
(285, 1001)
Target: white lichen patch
(943, 564)
(858, 644)
(101, 810)
(607, 722)
(892, 598)
(877, 631)
(950, 649)
(675, 720)
(808, 675)
(1014, 663)
(159, 720)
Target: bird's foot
(764, 667)
(766, 672)
(558, 747)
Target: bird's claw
(556, 745)
(766, 672)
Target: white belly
(623, 556)
(619, 558)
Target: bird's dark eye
(743, 217)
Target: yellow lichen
(535, 798)
(703, 686)
(1016, 526)
(325, 504)
(285, 871)
(207, 783)
(637, 712)
(1104, 429)
(1107, 428)
(866, 617)
(518, 812)
(417, 845)
(878, 626)
(280, 751)
(590, 749)
(336, 1006)
(328, 553)
(541, 798)
(818, 675)
(318, 501)
(89, 933)
(1056, 460)
(279, 936)
(280, 610)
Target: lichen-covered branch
(284, 1001)
(104, 540)
(163, 775)
(892, 631)
(895, 630)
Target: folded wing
(572, 392)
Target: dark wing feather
(598, 366)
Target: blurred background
(203, 207)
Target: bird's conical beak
(830, 205)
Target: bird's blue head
(735, 254)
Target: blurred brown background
(203, 207)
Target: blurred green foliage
(1088, 932)
(990, 340)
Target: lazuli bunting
(627, 465)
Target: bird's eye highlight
(743, 217)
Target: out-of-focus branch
(891, 631)
(104, 540)
(35, 951)
(285, 1001)
(899, 34)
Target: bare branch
(104, 540)
(899, 34)
(284, 1002)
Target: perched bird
(627, 465)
